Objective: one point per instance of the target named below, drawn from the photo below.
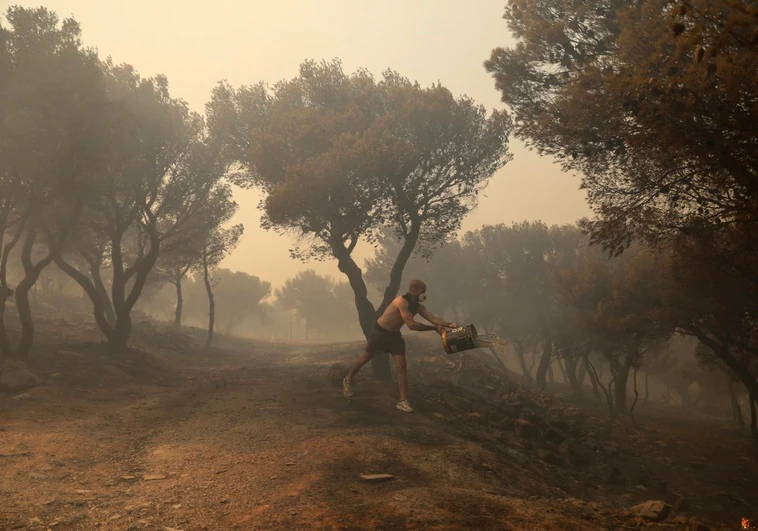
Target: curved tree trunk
(521, 356)
(31, 274)
(544, 366)
(367, 314)
(118, 332)
(570, 374)
(97, 279)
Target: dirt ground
(259, 436)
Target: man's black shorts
(381, 340)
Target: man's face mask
(422, 297)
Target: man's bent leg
(363, 359)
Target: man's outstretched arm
(412, 324)
(438, 321)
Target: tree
(620, 303)
(713, 299)
(340, 157)
(217, 246)
(52, 140)
(162, 173)
(240, 297)
(523, 258)
(651, 105)
(318, 300)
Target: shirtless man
(386, 336)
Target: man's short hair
(417, 286)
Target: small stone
(224, 500)
(23, 397)
(153, 477)
(376, 477)
(274, 477)
(177, 506)
(128, 478)
(291, 463)
(475, 415)
(655, 510)
(83, 491)
(549, 457)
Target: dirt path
(263, 441)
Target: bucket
(459, 339)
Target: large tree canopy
(342, 157)
(654, 103)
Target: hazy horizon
(196, 47)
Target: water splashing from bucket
(489, 341)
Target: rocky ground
(258, 436)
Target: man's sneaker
(346, 389)
(404, 406)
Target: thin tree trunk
(570, 374)
(562, 369)
(6, 349)
(179, 304)
(736, 409)
(544, 366)
(211, 303)
(595, 385)
(581, 372)
(620, 378)
(520, 355)
(396, 273)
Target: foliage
(53, 136)
(323, 304)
